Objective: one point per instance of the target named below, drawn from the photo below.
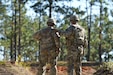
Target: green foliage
(25, 64)
(105, 69)
(28, 64)
(2, 10)
(107, 66)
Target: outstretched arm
(67, 32)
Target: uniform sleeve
(85, 41)
(80, 36)
(67, 32)
(57, 39)
(37, 35)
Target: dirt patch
(87, 70)
(12, 69)
(62, 70)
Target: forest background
(19, 19)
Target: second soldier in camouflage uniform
(75, 41)
(49, 47)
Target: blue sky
(74, 3)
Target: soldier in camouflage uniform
(75, 41)
(49, 47)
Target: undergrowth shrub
(28, 64)
(2, 63)
(105, 69)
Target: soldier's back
(46, 42)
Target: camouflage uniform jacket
(48, 38)
(75, 37)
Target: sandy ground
(19, 70)
(62, 70)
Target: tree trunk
(100, 34)
(50, 8)
(19, 33)
(89, 31)
(12, 35)
(15, 32)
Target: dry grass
(30, 68)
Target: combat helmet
(74, 18)
(50, 20)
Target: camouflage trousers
(74, 63)
(47, 57)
